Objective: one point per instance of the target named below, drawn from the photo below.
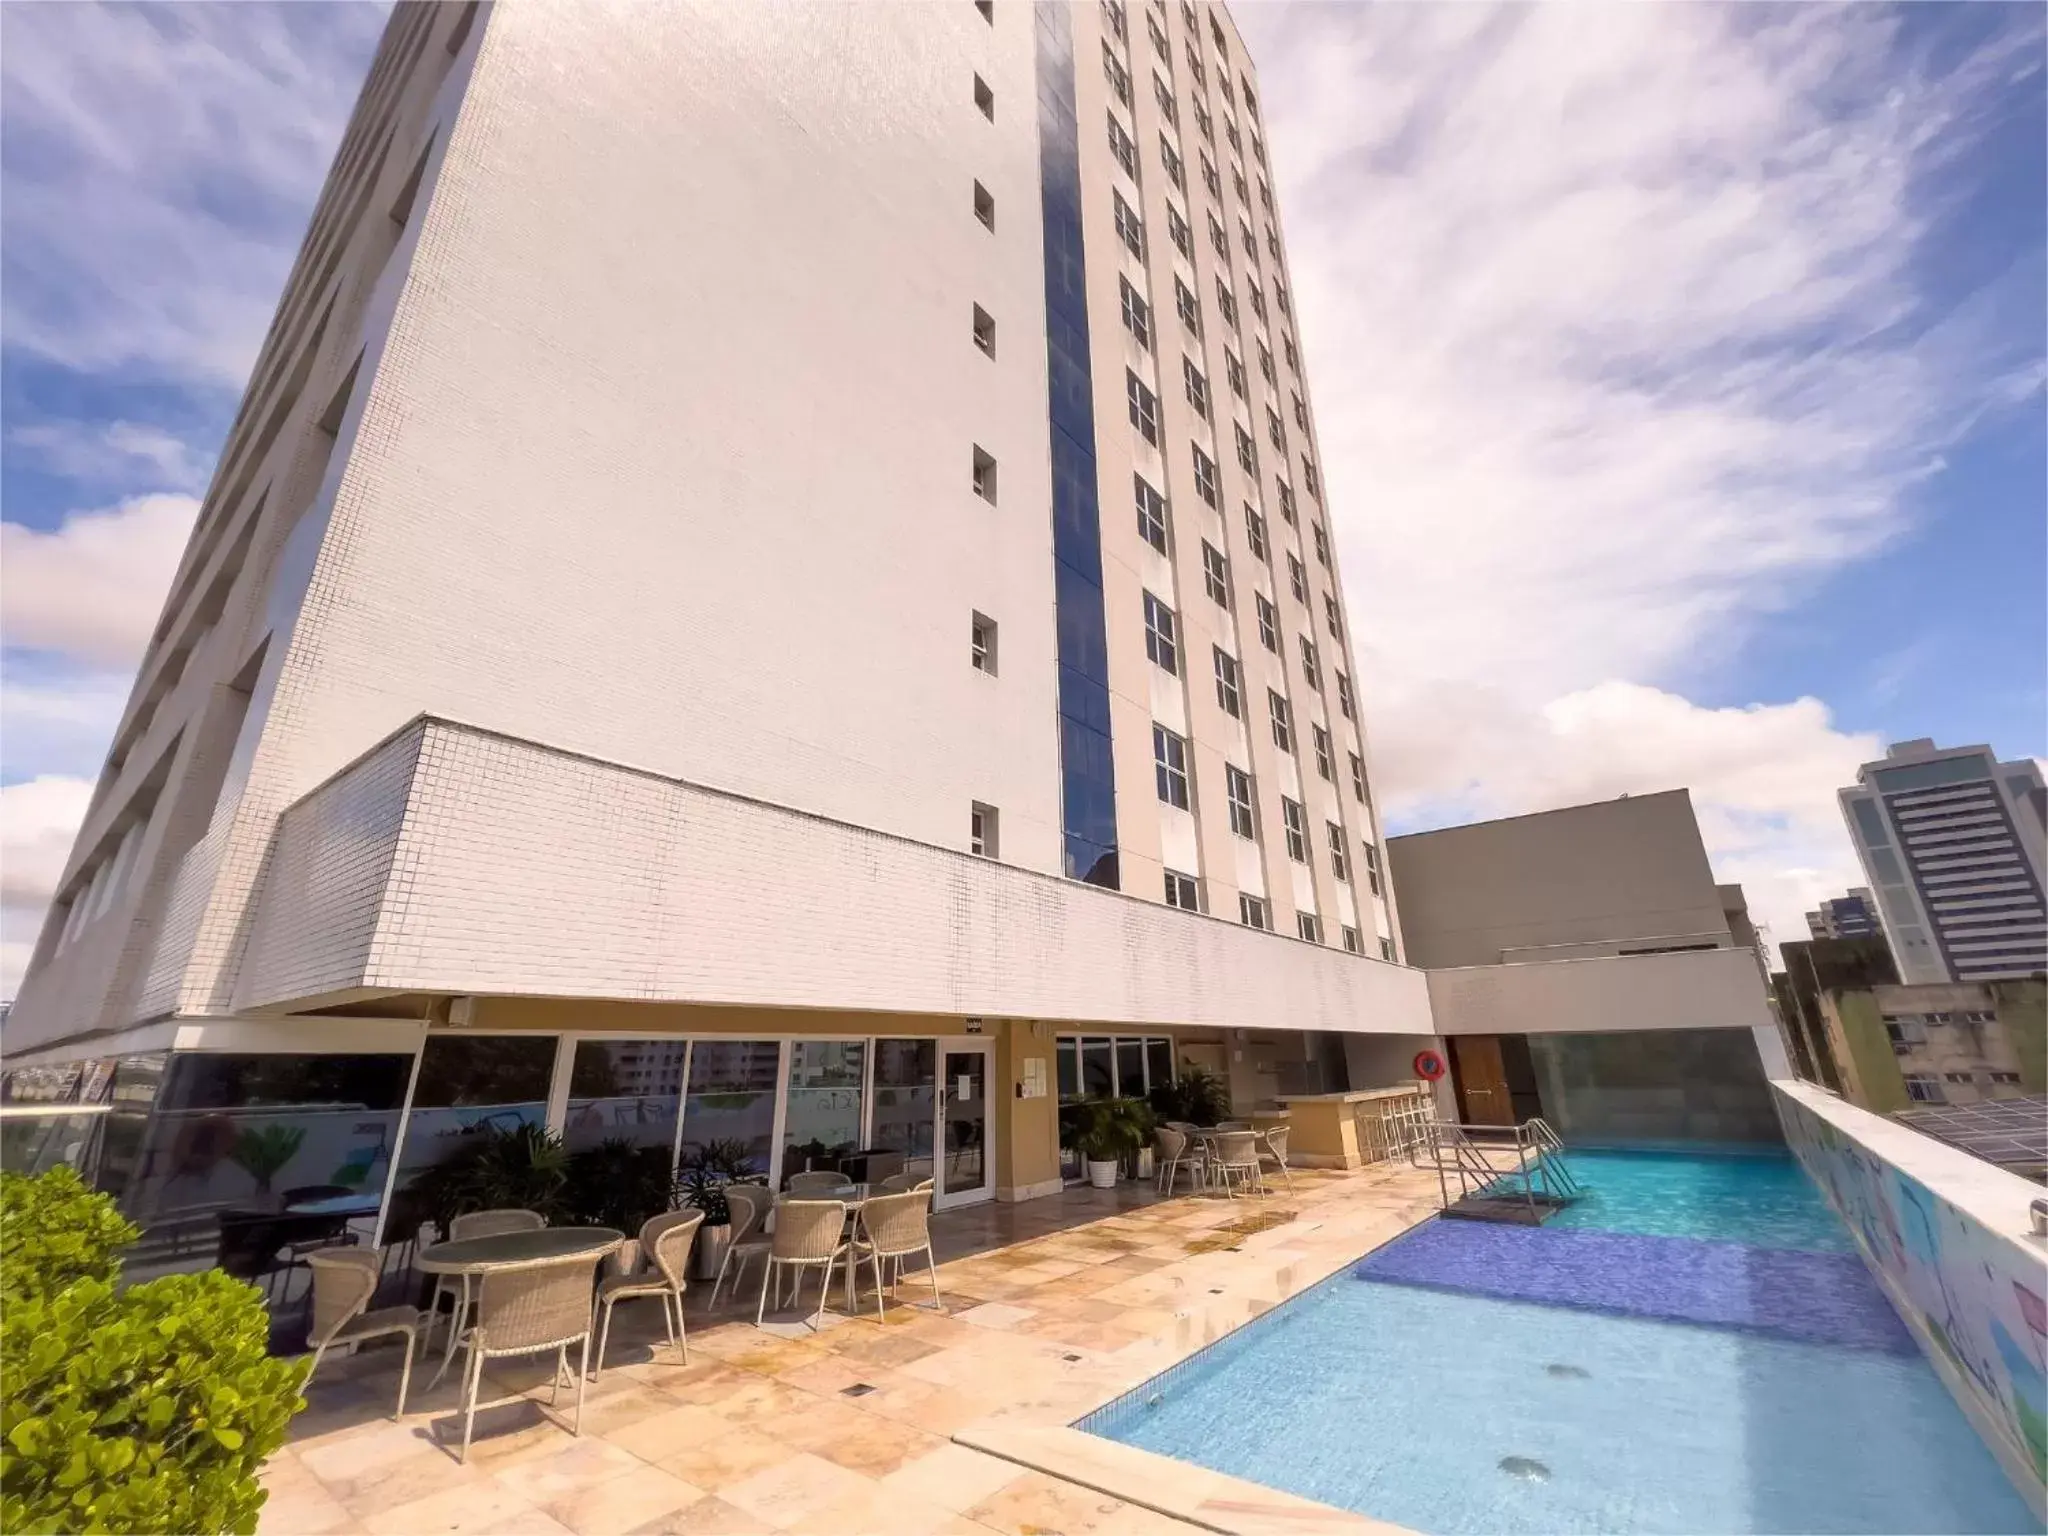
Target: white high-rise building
(794, 529)
(1953, 842)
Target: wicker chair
(892, 1228)
(1174, 1150)
(748, 1204)
(809, 1234)
(899, 1183)
(474, 1224)
(1275, 1152)
(344, 1280)
(820, 1181)
(665, 1239)
(1235, 1157)
(530, 1309)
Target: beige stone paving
(757, 1433)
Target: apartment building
(1953, 842)
(1852, 915)
(773, 583)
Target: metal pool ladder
(1512, 1173)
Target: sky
(1679, 373)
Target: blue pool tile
(1822, 1298)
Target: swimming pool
(1693, 1347)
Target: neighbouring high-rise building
(1953, 843)
(1852, 915)
(773, 584)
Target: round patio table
(478, 1256)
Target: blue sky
(1678, 371)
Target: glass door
(966, 1171)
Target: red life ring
(1428, 1066)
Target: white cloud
(93, 587)
(117, 453)
(1617, 327)
(161, 161)
(37, 820)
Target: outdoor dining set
(1230, 1157)
(508, 1284)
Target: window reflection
(624, 1090)
(904, 1102)
(1098, 1069)
(823, 1120)
(731, 1099)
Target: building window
(1137, 313)
(1163, 94)
(1162, 642)
(1924, 1089)
(1187, 306)
(1197, 387)
(1280, 294)
(1266, 364)
(1215, 574)
(1257, 300)
(1358, 778)
(1210, 178)
(1219, 242)
(1308, 478)
(1321, 739)
(1247, 451)
(1237, 789)
(1144, 407)
(1170, 158)
(1229, 684)
(1251, 911)
(1276, 433)
(984, 642)
(1344, 695)
(985, 330)
(1300, 413)
(1204, 122)
(1322, 541)
(1112, 15)
(1293, 357)
(1120, 145)
(1244, 230)
(985, 475)
(1195, 68)
(981, 830)
(984, 205)
(1170, 764)
(2003, 1077)
(1283, 722)
(1372, 868)
(1182, 892)
(1340, 866)
(1119, 78)
(1269, 622)
(1129, 227)
(1265, 192)
(1254, 532)
(1309, 926)
(1158, 34)
(1152, 519)
(1205, 479)
(984, 98)
(1386, 948)
(1297, 579)
(1233, 369)
(1351, 940)
(1177, 231)
(1287, 512)
(987, 9)
(1331, 617)
(1295, 822)
(1311, 668)
(1226, 301)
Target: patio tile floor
(1050, 1308)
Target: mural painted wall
(1976, 1294)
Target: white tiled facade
(634, 399)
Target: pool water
(1667, 1370)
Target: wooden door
(1482, 1079)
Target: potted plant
(522, 1166)
(1106, 1132)
(1199, 1097)
(705, 1175)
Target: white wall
(520, 870)
(1701, 989)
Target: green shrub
(54, 1231)
(149, 1409)
(490, 1167)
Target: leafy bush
(1200, 1097)
(149, 1409)
(55, 1231)
(523, 1167)
(708, 1170)
(619, 1184)
(1111, 1129)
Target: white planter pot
(1102, 1175)
(708, 1252)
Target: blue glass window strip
(1087, 774)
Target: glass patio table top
(473, 1253)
